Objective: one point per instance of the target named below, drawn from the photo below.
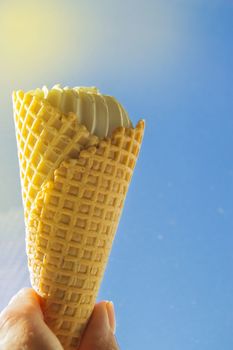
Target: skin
(22, 326)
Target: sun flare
(31, 34)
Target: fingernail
(111, 316)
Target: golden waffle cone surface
(45, 137)
(72, 208)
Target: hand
(22, 326)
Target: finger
(99, 334)
(22, 325)
(25, 302)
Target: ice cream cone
(73, 185)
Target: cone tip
(141, 124)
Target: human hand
(22, 326)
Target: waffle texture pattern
(73, 188)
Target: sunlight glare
(32, 34)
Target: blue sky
(170, 62)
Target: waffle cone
(73, 186)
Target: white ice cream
(101, 114)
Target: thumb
(99, 334)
